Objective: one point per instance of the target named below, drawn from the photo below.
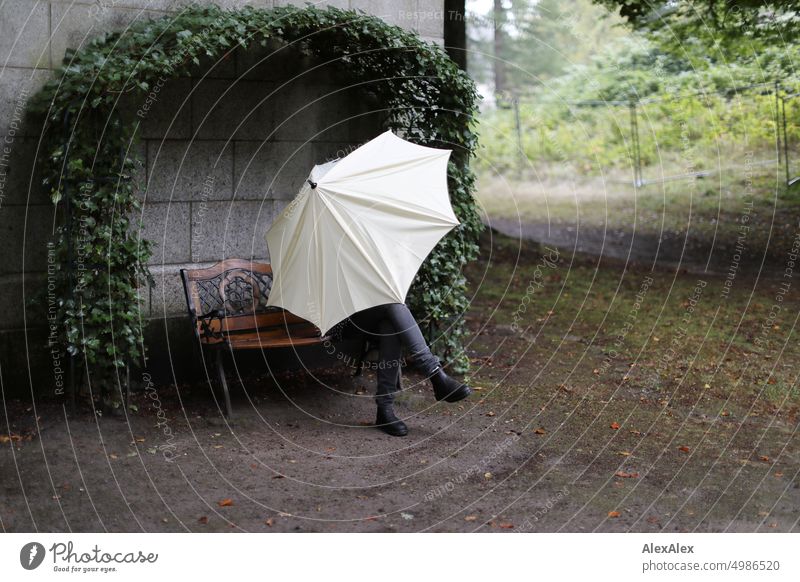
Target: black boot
(447, 388)
(389, 423)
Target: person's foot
(389, 423)
(447, 388)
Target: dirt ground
(581, 421)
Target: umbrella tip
(313, 184)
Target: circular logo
(31, 555)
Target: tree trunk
(455, 31)
(499, 21)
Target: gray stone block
(224, 230)
(20, 174)
(15, 293)
(280, 206)
(17, 87)
(138, 171)
(399, 12)
(182, 170)
(221, 67)
(164, 112)
(276, 61)
(167, 226)
(167, 297)
(74, 25)
(271, 169)
(319, 3)
(226, 109)
(24, 232)
(430, 19)
(313, 112)
(25, 33)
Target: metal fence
(780, 119)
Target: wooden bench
(228, 309)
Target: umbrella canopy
(359, 229)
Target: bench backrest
(231, 297)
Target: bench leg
(224, 383)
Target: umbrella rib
(421, 211)
(329, 204)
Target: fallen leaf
(683, 449)
(615, 425)
(487, 475)
(539, 431)
(764, 458)
(624, 453)
(277, 476)
(490, 413)
(225, 503)
(471, 518)
(253, 466)
(268, 522)
(625, 475)
(652, 519)
(506, 525)
(779, 474)
(613, 514)
(113, 456)
(203, 520)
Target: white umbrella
(359, 229)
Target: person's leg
(389, 363)
(444, 387)
(411, 337)
(388, 375)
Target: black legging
(395, 328)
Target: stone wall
(224, 151)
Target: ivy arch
(88, 160)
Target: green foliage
(426, 94)
(541, 39)
(730, 27)
(683, 112)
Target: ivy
(88, 166)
